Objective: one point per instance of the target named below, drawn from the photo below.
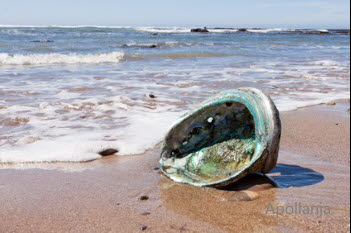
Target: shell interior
(211, 145)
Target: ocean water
(67, 93)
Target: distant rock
(140, 46)
(324, 32)
(43, 41)
(242, 30)
(200, 30)
(340, 31)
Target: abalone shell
(229, 136)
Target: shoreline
(326, 103)
(14, 164)
(104, 195)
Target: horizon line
(131, 27)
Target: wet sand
(104, 195)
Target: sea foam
(145, 130)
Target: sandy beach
(127, 193)
(162, 116)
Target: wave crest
(61, 59)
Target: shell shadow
(294, 176)
(282, 176)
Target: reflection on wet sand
(239, 208)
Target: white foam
(64, 26)
(143, 132)
(223, 30)
(56, 58)
(326, 63)
(289, 103)
(163, 30)
(146, 131)
(67, 149)
(269, 30)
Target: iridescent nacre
(229, 136)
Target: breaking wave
(16, 29)
(164, 30)
(99, 58)
(251, 30)
(58, 59)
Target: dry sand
(103, 196)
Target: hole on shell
(221, 143)
(210, 120)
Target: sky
(210, 13)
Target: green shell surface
(229, 136)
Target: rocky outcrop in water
(340, 31)
(43, 41)
(151, 46)
(200, 30)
